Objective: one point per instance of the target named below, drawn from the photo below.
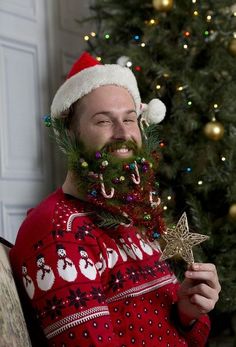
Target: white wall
(66, 42)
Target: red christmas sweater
(90, 287)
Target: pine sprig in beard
(100, 171)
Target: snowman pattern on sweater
(28, 282)
(45, 275)
(145, 246)
(65, 267)
(135, 249)
(86, 265)
(127, 248)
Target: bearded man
(105, 217)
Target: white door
(25, 166)
(39, 39)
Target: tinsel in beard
(123, 190)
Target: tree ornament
(47, 120)
(129, 198)
(163, 5)
(98, 155)
(147, 216)
(94, 193)
(232, 47)
(105, 163)
(84, 164)
(180, 241)
(232, 212)
(132, 166)
(214, 130)
(116, 180)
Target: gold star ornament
(179, 241)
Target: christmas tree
(184, 52)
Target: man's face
(106, 116)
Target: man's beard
(124, 187)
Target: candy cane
(107, 196)
(136, 180)
(156, 203)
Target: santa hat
(88, 74)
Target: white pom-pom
(233, 8)
(123, 60)
(154, 112)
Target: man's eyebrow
(131, 111)
(108, 113)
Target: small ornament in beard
(124, 187)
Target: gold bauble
(163, 5)
(232, 47)
(232, 211)
(214, 130)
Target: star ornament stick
(179, 241)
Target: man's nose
(120, 131)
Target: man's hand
(198, 293)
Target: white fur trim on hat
(91, 78)
(154, 112)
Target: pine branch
(109, 220)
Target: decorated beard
(124, 191)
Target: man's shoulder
(57, 211)
(45, 209)
(40, 218)
(53, 219)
